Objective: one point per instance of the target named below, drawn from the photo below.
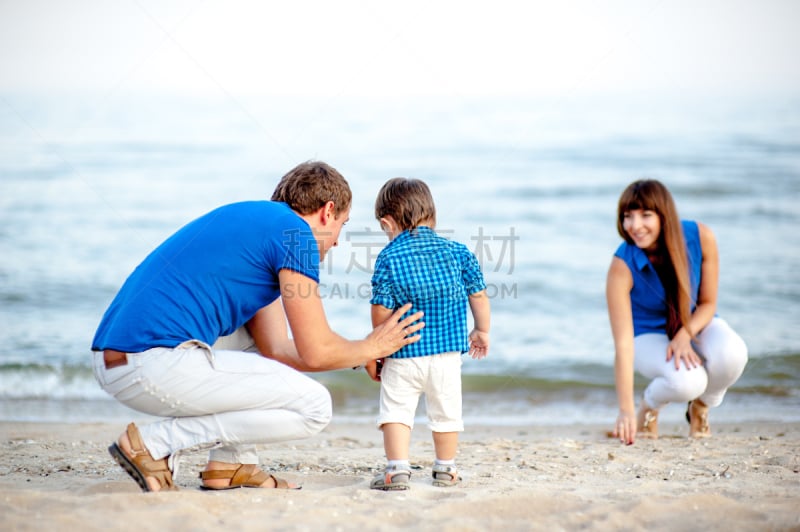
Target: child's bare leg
(396, 440)
(445, 473)
(446, 445)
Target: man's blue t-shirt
(437, 276)
(648, 298)
(209, 278)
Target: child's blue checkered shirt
(436, 275)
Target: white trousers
(724, 355)
(438, 377)
(227, 400)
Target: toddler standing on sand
(439, 277)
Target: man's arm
(318, 348)
(271, 335)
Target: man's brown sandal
(140, 464)
(245, 476)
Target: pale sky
(411, 47)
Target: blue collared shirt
(437, 276)
(209, 278)
(648, 299)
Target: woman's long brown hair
(652, 195)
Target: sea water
(89, 184)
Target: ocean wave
(775, 376)
(43, 381)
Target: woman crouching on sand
(662, 298)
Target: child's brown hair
(408, 201)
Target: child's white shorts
(403, 380)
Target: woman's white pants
(724, 355)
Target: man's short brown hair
(310, 185)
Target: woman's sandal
(245, 476)
(392, 480)
(140, 464)
(445, 476)
(647, 423)
(697, 416)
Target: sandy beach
(747, 477)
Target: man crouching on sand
(197, 334)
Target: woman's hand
(680, 349)
(625, 429)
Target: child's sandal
(445, 476)
(392, 480)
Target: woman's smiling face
(643, 226)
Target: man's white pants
(226, 399)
